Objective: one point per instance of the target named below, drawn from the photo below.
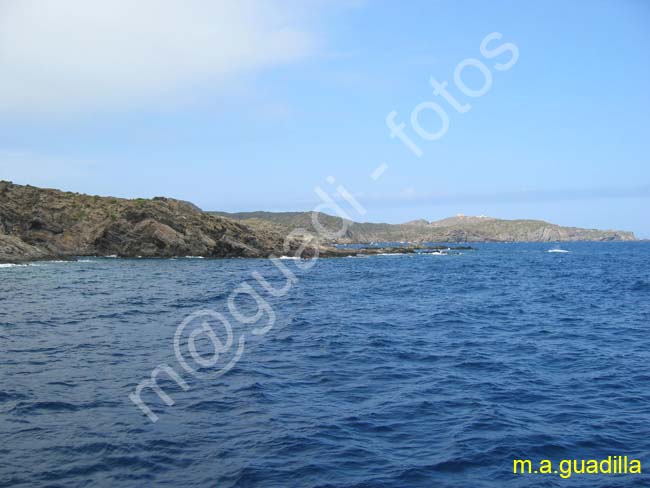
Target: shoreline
(327, 253)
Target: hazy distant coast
(460, 228)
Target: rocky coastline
(45, 224)
(39, 224)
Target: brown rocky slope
(40, 223)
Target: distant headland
(456, 229)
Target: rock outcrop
(14, 250)
(40, 223)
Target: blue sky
(249, 105)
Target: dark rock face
(40, 223)
(14, 250)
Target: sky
(251, 105)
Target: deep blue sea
(385, 371)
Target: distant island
(38, 224)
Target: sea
(425, 370)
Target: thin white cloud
(80, 55)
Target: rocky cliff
(40, 223)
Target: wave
(564, 251)
(45, 263)
(45, 406)
(641, 285)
